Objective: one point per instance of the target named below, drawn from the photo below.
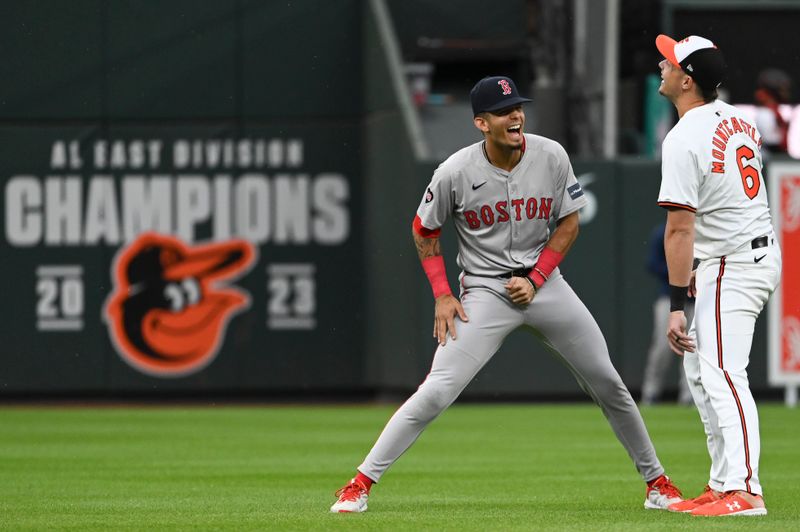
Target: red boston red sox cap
(494, 93)
(697, 56)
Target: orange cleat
(733, 503)
(352, 498)
(661, 493)
(688, 505)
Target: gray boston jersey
(502, 218)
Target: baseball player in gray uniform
(502, 194)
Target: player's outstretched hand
(447, 306)
(520, 290)
(679, 341)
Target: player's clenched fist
(447, 306)
(520, 290)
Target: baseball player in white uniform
(502, 194)
(713, 188)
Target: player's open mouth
(515, 131)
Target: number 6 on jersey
(751, 178)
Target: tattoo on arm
(427, 247)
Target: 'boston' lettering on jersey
(500, 215)
(530, 207)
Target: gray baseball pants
(566, 327)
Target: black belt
(522, 272)
(760, 242)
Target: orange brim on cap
(666, 45)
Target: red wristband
(434, 269)
(423, 231)
(548, 260)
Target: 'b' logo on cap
(506, 87)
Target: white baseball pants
(731, 292)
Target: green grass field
(478, 467)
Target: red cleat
(661, 493)
(733, 503)
(352, 498)
(688, 505)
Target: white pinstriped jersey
(502, 218)
(711, 164)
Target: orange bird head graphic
(168, 312)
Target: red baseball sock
(650, 484)
(361, 477)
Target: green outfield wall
(233, 123)
(216, 198)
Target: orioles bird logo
(166, 315)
